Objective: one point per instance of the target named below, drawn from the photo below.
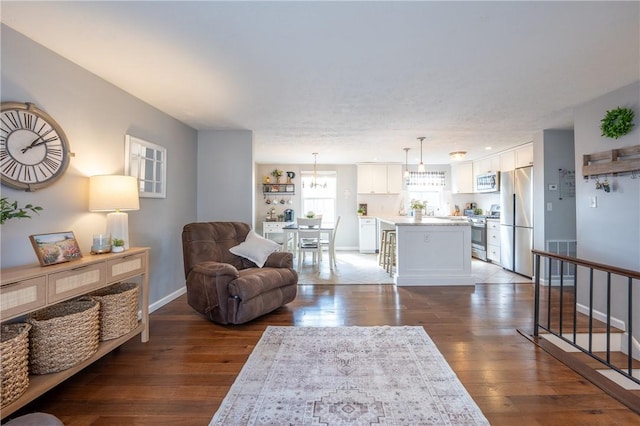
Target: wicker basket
(63, 335)
(14, 357)
(118, 309)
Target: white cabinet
(271, 228)
(524, 156)
(519, 157)
(462, 178)
(507, 161)
(493, 240)
(379, 178)
(394, 178)
(486, 165)
(367, 235)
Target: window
(147, 162)
(319, 195)
(429, 187)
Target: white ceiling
(353, 81)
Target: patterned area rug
(347, 376)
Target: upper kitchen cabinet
(486, 165)
(379, 178)
(524, 156)
(519, 157)
(462, 178)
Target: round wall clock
(34, 151)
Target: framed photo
(148, 163)
(55, 248)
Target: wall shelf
(279, 188)
(612, 162)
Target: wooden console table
(26, 289)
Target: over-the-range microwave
(488, 182)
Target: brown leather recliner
(230, 289)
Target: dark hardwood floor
(181, 376)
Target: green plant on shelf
(117, 242)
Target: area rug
(347, 376)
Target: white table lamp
(114, 194)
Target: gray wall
(225, 176)
(610, 233)
(95, 116)
(554, 149)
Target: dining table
(290, 233)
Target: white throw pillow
(255, 248)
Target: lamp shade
(113, 193)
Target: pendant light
(314, 183)
(421, 165)
(406, 162)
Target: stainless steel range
(479, 232)
(478, 237)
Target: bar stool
(390, 254)
(383, 246)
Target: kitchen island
(432, 251)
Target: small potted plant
(118, 245)
(277, 173)
(360, 211)
(310, 215)
(417, 207)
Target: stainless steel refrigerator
(516, 220)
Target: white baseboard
(170, 297)
(601, 316)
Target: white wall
(609, 233)
(95, 116)
(225, 176)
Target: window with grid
(427, 186)
(319, 195)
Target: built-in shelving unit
(612, 162)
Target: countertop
(426, 220)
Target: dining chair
(309, 239)
(331, 244)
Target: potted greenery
(360, 211)
(10, 210)
(310, 214)
(418, 206)
(118, 245)
(277, 173)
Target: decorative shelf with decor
(279, 188)
(612, 162)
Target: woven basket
(63, 335)
(118, 309)
(14, 356)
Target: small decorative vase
(117, 249)
(417, 215)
